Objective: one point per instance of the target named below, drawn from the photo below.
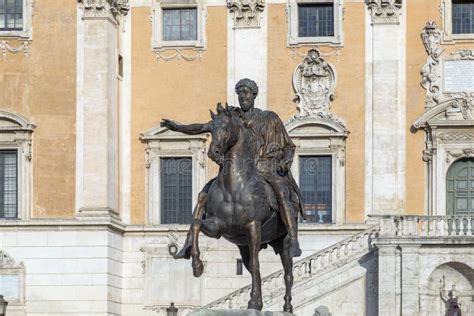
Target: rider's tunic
(274, 142)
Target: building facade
(95, 196)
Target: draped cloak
(274, 144)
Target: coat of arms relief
(437, 71)
(314, 81)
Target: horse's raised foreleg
(210, 227)
(287, 261)
(254, 238)
(198, 213)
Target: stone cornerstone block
(238, 312)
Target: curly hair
(247, 83)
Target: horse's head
(226, 129)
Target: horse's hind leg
(282, 247)
(287, 261)
(254, 238)
(210, 227)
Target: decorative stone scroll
(385, 11)
(440, 67)
(246, 13)
(103, 8)
(314, 81)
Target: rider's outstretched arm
(190, 129)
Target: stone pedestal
(238, 312)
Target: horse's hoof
(198, 268)
(184, 253)
(288, 308)
(255, 305)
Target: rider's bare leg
(198, 214)
(289, 219)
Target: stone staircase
(314, 276)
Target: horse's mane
(254, 141)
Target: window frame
(26, 33)
(158, 42)
(163, 143)
(447, 17)
(293, 24)
(16, 134)
(332, 159)
(321, 137)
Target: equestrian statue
(254, 201)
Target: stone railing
(426, 226)
(322, 261)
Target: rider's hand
(284, 166)
(169, 124)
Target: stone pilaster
(410, 281)
(389, 280)
(247, 29)
(97, 125)
(385, 108)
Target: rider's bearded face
(246, 98)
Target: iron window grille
(176, 190)
(8, 184)
(11, 15)
(316, 188)
(180, 24)
(463, 16)
(316, 20)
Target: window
(460, 188)
(176, 190)
(316, 188)
(175, 174)
(15, 18)
(458, 20)
(15, 166)
(11, 14)
(8, 184)
(463, 16)
(178, 23)
(315, 21)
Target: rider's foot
(295, 250)
(198, 267)
(185, 252)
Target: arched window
(460, 187)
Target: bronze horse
(241, 206)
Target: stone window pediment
(162, 143)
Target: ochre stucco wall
(177, 89)
(349, 103)
(42, 88)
